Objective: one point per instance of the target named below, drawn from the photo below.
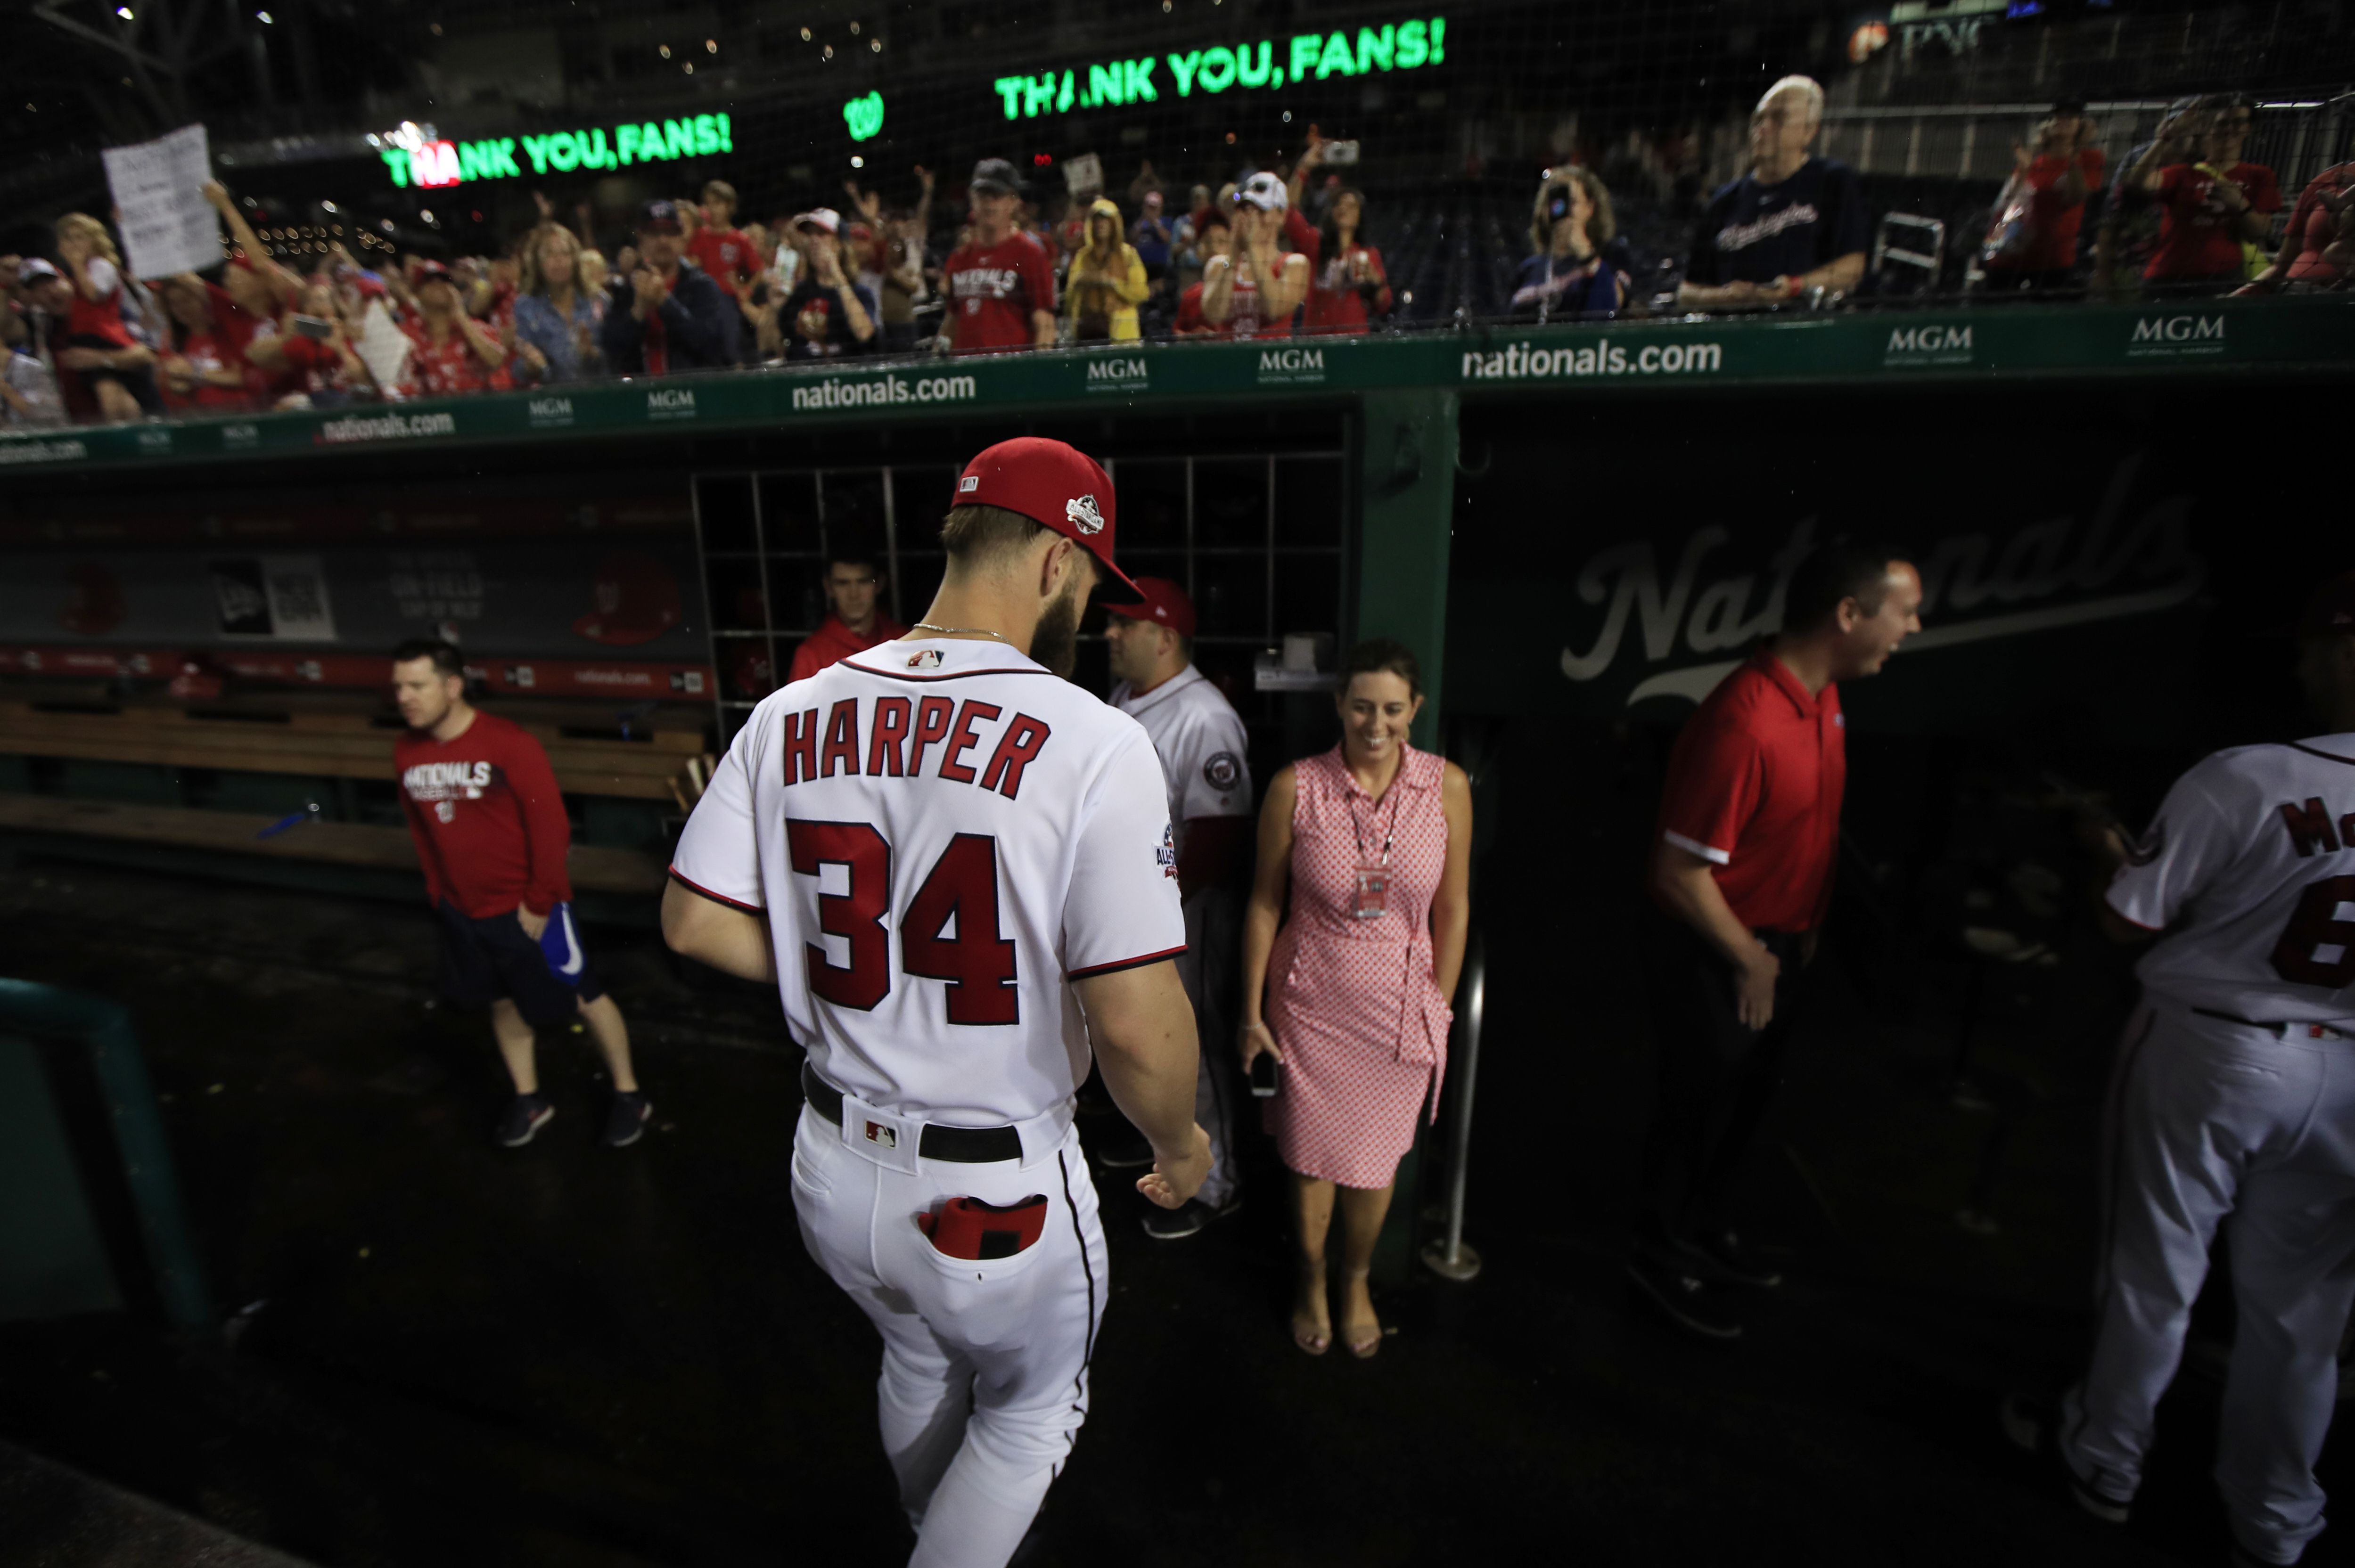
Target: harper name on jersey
(939, 833)
(910, 737)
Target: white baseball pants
(2208, 1117)
(985, 1379)
(1207, 970)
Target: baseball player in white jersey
(2234, 1095)
(1200, 738)
(958, 867)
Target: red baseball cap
(1057, 486)
(1164, 604)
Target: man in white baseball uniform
(2234, 1095)
(1200, 738)
(958, 868)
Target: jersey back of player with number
(939, 834)
(2253, 853)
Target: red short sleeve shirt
(1754, 787)
(2199, 237)
(723, 253)
(993, 288)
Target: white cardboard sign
(158, 187)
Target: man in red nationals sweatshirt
(492, 836)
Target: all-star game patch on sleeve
(719, 854)
(1122, 909)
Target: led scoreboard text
(1311, 57)
(413, 160)
(433, 165)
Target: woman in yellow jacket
(1106, 282)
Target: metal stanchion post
(1452, 1259)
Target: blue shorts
(482, 960)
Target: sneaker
(526, 1114)
(1125, 1149)
(1722, 1256)
(2033, 1424)
(1684, 1297)
(625, 1122)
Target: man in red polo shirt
(1741, 871)
(1001, 287)
(492, 837)
(856, 622)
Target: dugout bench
(297, 787)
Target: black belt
(2314, 1031)
(959, 1145)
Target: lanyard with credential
(1374, 878)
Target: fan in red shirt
(449, 351)
(325, 368)
(111, 367)
(1001, 286)
(206, 372)
(2210, 208)
(1214, 237)
(1350, 289)
(1253, 290)
(492, 837)
(718, 246)
(1742, 874)
(854, 588)
(2047, 190)
(2318, 226)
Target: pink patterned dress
(1353, 1002)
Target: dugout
(1578, 528)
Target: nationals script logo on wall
(1975, 587)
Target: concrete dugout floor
(457, 1354)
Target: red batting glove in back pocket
(970, 1229)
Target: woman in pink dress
(1374, 838)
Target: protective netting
(1455, 128)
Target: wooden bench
(329, 736)
(360, 845)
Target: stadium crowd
(1278, 250)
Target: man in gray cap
(1001, 284)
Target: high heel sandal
(1363, 1335)
(1312, 1337)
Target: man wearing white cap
(826, 314)
(1200, 738)
(1257, 289)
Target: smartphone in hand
(1266, 1075)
